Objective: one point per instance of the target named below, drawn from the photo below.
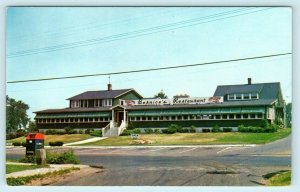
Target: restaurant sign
(175, 101)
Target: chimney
(249, 81)
(109, 87)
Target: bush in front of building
(216, 128)
(250, 129)
(130, 126)
(148, 131)
(185, 130)
(54, 132)
(16, 144)
(227, 129)
(205, 130)
(56, 143)
(169, 130)
(67, 157)
(126, 132)
(80, 131)
(192, 129)
(96, 133)
(136, 131)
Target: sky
(47, 42)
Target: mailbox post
(34, 141)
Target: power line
(151, 69)
(128, 35)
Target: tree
(32, 127)
(161, 95)
(288, 113)
(16, 116)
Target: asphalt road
(180, 166)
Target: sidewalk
(85, 141)
(53, 167)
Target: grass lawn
(280, 179)
(197, 138)
(68, 138)
(10, 168)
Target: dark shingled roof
(100, 94)
(265, 90)
(74, 110)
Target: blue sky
(193, 35)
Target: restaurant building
(113, 110)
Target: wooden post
(40, 155)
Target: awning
(253, 110)
(73, 115)
(203, 111)
(230, 110)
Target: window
(260, 116)
(238, 116)
(143, 118)
(149, 118)
(238, 96)
(211, 116)
(254, 96)
(107, 102)
(218, 116)
(230, 97)
(224, 116)
(155, 118)
(166, 118)
(173, 117)
(179, 117)
(138, 118)
(199, 117)
(160, 118)
(252, 116)
(246, 96)
(71, 120)
(231, 116)
(245, 116)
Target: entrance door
(120, 117)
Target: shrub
(157, 131)
(130, 126)
(96, 133)
(80, 131)
(54, 132)
(176, 127)
(192, 129)
(11, 136)
(185, 130)
(136, 131)
(87, 131)
(126, 132)
(16, 143)
(216, 128)
(250, 129)
(169, 130)
(67, 129)
(67, 157)
(205, 130)
(148, 131)
(23, 144)
(20, 133)
(56, 143)
(28, 159)
(227, 129)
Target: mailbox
(34, 141)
